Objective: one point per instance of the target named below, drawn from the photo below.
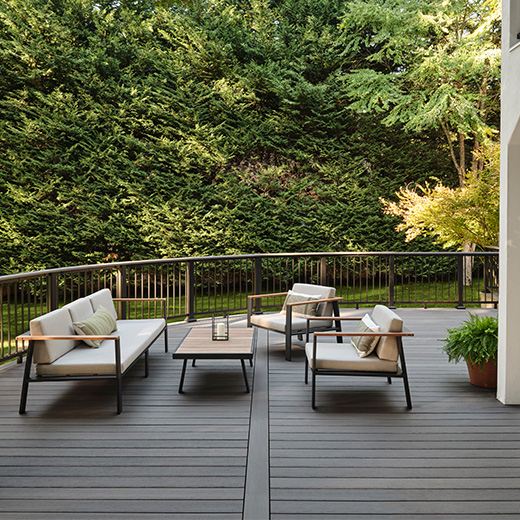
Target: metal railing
(202, 286)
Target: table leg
(193, 363)
(183, 373)
(245, 375)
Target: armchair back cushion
(388, 321)
(301, 310)
(323, 309)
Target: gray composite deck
(216, 452)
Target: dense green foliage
(429, 64)
(136, 130)
(476, 339)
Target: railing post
(190, 291)
(323, 271)
(460, 284)
(121, 292)
(257, 283)
(52, 292)
(391, 282)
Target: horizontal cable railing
(201, 286)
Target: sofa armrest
(72, 336)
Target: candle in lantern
(221, 330)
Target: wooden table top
(198, 342)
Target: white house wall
(508, 391)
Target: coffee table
(197, 344)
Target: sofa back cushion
(323, 309)
(55, 323)
(80, 309)
(388, 321)
(104, 298)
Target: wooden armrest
(328, 318)
(75, 336)
(255, 296)
(139, 299)
(375, 334)
(306, 302)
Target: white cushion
(80, 309)
(338, 356)
(104, 298)
(136, 336)
(324, 309)
(101, 323)
(276, 322)
(365, 345)
(55, 323)
(388, 321)
(301, 310)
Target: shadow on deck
(216, 452)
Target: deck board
(361, 454)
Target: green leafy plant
(475, 340)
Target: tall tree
(428, 64)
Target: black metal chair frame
(400, 373)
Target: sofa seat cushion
(338, 356)
(276, 322)
(136, 336)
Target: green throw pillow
(365, 345)
(100, 323)
(306, 310)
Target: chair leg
(288, 345)
(166, 339)
(26, 378)
(313, 390)
(407, 392)
(389, 380)
(306, 370)
(119, 394)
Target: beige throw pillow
(100, 323)
(302, 310)
(365, 345)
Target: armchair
(381, 358)
(302, 302)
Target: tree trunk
(469, 262)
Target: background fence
(202, 286)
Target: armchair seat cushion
(336, 356)
(276, 322)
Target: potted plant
(476, 341)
